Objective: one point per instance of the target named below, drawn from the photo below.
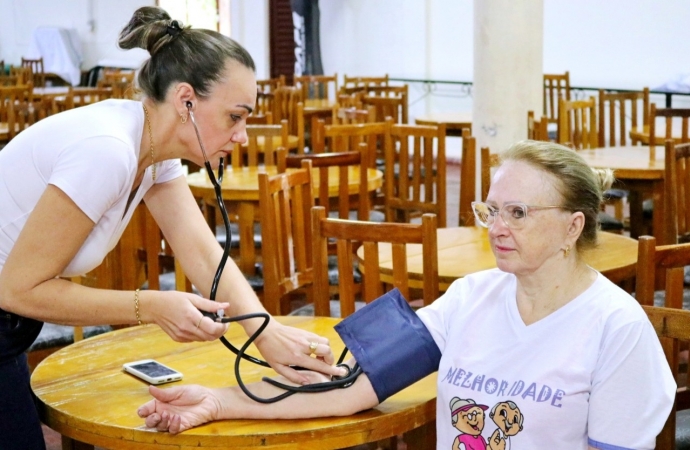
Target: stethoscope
(335, 383)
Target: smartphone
(152, 371)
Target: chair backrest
(36, 66)
(675, 125)
(263, 110)
(537, 129)
(263, 141)
(619, 114)
(8, 80)
(285, 202)
(87, 96)
(24, 74)
(394, 105)
(556, 87)
(349, 234)
(489, 160)
(468, 179)
(16, 103)
(343, 138)
(664, 266)
(342, 165)
(364, 81)
(318, 86)
(287, 104)
(577, 124)
(672, 326)
(416, 154)
(677, 190)
(352, 115)
(271, 84)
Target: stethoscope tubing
(340, 382)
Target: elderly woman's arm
(180, 408)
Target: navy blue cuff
(390, 343)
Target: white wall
(20, 17)
(100, 43)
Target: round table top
(85, 395)
(628, 162)
(452, 120)
(243, 183)
(466, 250)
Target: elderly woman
(70, 183)
(573, 356)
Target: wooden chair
(621, 109)
(285, 202)
(556, 88)
(38, 74)
(537, 129)
(8, 80)
(349, 234)
(271, 84)
(419, 182)
(287, 104)
(577, 124)
(14, 104)
(352, 115)
(357, 82)
(388, 102)
(320, 87)
(488, 160)
(468, 179)
(346, 206)
(263, 110)
(87, 96)
(664, 266)
(343, 138)
(24, 75)
(671, 126)
(672, 326)
(677, 190)
(262, 144)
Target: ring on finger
(199, 322)
(312, 347)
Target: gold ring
(312, 347)
(199, 322)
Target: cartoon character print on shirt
(468, 418)
(508, 418)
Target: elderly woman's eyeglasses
(513, 214)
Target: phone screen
(153, 369)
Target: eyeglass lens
(512, 214)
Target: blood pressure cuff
(390, 343)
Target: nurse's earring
(183, 118)
(566, 251)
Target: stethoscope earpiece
(189, 104)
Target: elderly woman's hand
(180, 408)
(178, 314)
(283, 346)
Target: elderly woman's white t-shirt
(591, 373)
(91, 154)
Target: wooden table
(240, 190)
(466, 250)
(84, 395)
(642, 135)
(318, 106)
(636, 172)
(455, 122)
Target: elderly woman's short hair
(581, 187)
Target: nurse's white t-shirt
(591, 373)
(91, 154)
